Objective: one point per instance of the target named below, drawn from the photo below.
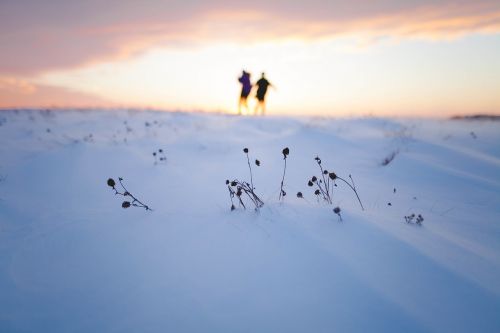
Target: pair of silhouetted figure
(246, 87)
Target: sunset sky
(358, 57)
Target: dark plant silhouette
(159, 157)
(126, 204)
(239, 188)
(285, 153)
(327, 182)
(410, 219)
(336, 210)
(245, 150)
(389, 158)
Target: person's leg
(257, 107)
(243, 101)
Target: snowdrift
(73, 260)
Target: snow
(73, 260)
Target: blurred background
(335, 58)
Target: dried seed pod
(332, 176)
(257, 162)
(310, 183)
(245, 150)
(286, 151)
(313, 179)
(111, 182)
(316, 192)
(126, 204)
(336, 210)
(299, 195)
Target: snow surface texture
(73, 260)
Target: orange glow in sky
(325, 58)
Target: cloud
(16, 86)
(39, 36)
(16, 93)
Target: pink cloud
(38, 36)
(20, 93)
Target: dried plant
(126, 204)
(159, 156)
(327, 182)
(336, 210)
(389, 158)
(238, 188)
(285, 153)
(410, 219)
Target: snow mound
(73, 260)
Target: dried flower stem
(325, 194)
(244, 188)
(354, 189)
(135, 202)
(250, 167)
(282, 192)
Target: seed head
(316, 192)
(286, 151)
(160, 150)
(299, 195)
(154, 154)
(232, 207)
(227, 181)
(111, 182)
(314, 179)
(234, 183)
(245, 150)
(257, 162)
(310, 183)
(125, 204)
(336, 210)
(325, 172)
(332, 176)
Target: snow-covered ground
(73, 260)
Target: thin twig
(282, 180)
(355, 192)
(250, 167)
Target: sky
(361, 57)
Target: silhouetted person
(262, 85)
(246, 87)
